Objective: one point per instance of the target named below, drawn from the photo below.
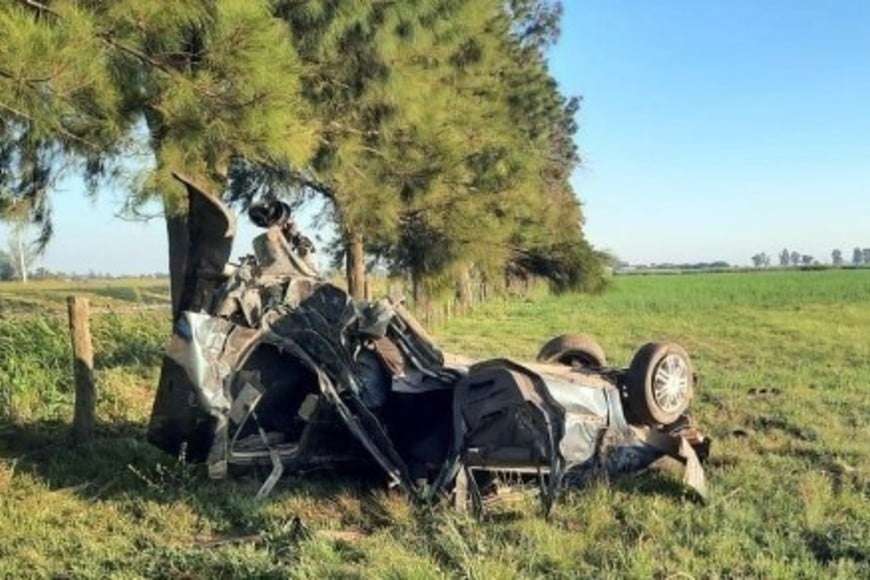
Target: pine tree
(214, 81)
(433, 127)
(58, 104)
(346, 80)
(211, 81)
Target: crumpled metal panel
(197, 345)
(319, 323)
(564, 421)
(586, 415)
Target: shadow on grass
(118, 463)
(45, 450)
(663, 478)
(662, 482)
(838, 542)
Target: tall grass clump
(35, 370)
(129, 340)
(36, 361)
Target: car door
(210, 229)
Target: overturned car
(271, 365)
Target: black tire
(660, 384)
(573, 349)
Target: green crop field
(49, 296)
(784, 359)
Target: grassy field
(784, 359)
(49, 296)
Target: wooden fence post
(84, 416)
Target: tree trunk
(463, 291)
(356, 266)
(22, 259)
(422, 304)
(416, 290)
(179, 241)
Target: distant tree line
(860, 256)
(761, 260)
(8, 273)
(792, 258)
(716, 265)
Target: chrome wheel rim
(671, 383)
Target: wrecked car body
(269, 364)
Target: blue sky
(709, 130)
(719, 129)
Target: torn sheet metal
(274, 366)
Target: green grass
(49, 296)
(784, 359)
(35, 361)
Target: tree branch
(27, 81)
(22, 115)
(139, 55)
(312, 183)
(39, 7)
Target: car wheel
(573, 349)
(660, 383)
